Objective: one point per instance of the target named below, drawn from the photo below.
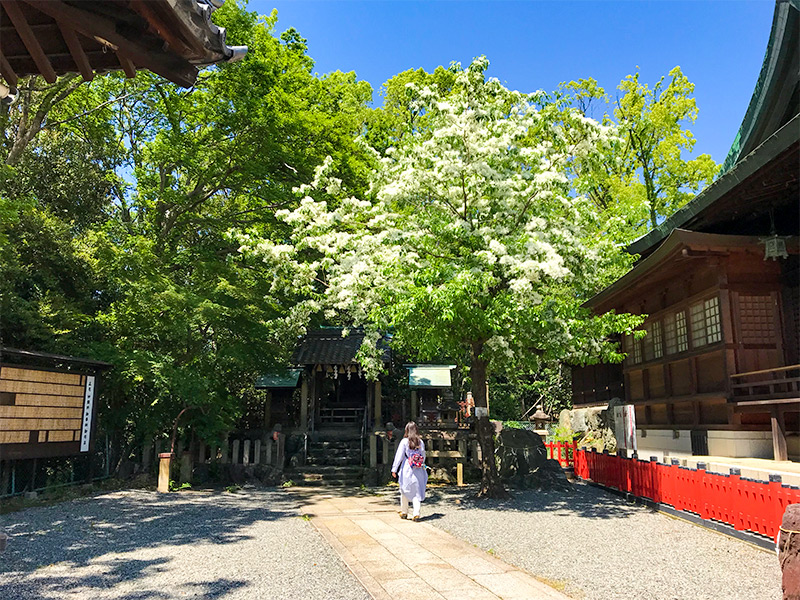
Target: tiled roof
(173, 38)
(326, 346)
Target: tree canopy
(471, 243)
(190, 236)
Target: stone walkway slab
(396, 559)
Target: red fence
(755, 506)
(563, 452)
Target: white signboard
(625, 426)
(88, 404)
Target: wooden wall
(41, 412)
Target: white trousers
(404, 505)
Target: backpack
(416, 461)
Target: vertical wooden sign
(88, 405)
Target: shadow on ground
(582, 501)
(82, 532)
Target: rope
(786, 544)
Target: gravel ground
(137, 545)
(599, 547)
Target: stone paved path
(398, 559)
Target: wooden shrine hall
(718, 371)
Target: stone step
(319, 451)
(342, 461)
(349, 483)
(329, 470)
(336, 445)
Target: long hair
(412, 435)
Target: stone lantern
(540, 418)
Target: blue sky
(535, 45)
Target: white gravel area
(137, 545)
(597, 546)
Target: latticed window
(637, 350)
(682, 338)
(648, 342)
(758, 319)
(713, 325)
(670, 335)
(697, 321)
(655, 331)
(705, 322)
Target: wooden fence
(745, 504)
(563, 452)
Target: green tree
(474, 245)
(645, 177)
(123, 213)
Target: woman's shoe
(415, 518)
(403, 515)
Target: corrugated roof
(429, 376)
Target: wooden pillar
(385, 453)
(414, 405)
(304, 402)
(378, 411)
(268, 410)
(246, 457)
(257, 452)
(778, 434)
(460, 472)
(235, 452)
(164, 464)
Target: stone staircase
(333, 460)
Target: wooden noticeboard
(45, 412)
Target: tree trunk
(491, 486)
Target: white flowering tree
(475, 243)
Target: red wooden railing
(745, 504)
(563, 452)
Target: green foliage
(178, 487)
(644, 176)
(121, 204)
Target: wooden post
(778, 422)
(414, 405)
(373, 451)
(201, 453)
(257, 452)
(246, 458)
(164, 464)
(268, 410)
(225, 445)
(385, 450)
(460, 472)
(235, 452)
(304, 402)
(378, 411)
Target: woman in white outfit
(409, 465)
